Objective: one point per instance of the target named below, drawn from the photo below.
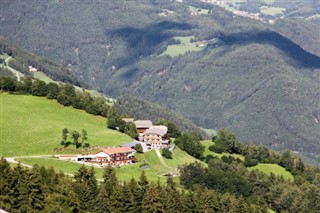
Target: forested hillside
(144, 110)
(257, 79)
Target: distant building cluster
(150, 136)
(115, 156)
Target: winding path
(161, 159)
(6, 63)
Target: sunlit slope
(32, 126)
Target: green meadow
(32, 126)
(272, 11)
(274, 168)
(208, 143)
(183, 47)
(199, 10)
(265, 168)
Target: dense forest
(257, 79)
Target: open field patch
(272, 11)
(179, 158)
(43, 77)
(274, 168)
(184, 47)
(199, 10)
(208, 143)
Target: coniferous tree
(85, 187)
(152, 200)
(5, 176)
(172, 197)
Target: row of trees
(43, 190)
(75, 138)
(65, 94)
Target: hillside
(257, 79)
(144, 110)
(33, 125)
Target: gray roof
(131, 144)
(160, 130)
(143, 123)
(128, 120)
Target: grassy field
(265, 168)
(272, 11)
(274, 168)
(43, 77)
(185, 46)
(207, 151)
(32, 126)
(268, 1)
(179, 158)
(199, 10)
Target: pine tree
(5, 173)
(85, 187)
(172, 197)
(152, 200)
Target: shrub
(166, 153)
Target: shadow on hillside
(300, 56)
(146, 41)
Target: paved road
(13, 160)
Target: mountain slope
(249, 76)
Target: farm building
(142, 125)
(116, 156)
(156, 136)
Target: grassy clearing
(207, 151)
(183, 47)
(274, 168)
(43, 77)
(199, 10)
(268, 1)
(32, 126)
(210, 132)
(179, 158)
(272, 11)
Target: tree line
(65, 94)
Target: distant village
(150, 137)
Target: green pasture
(210, 132)
(274, 168)
(208, 143)
(272, 11)
(268, 1)
(43, 77)
(185, 46)
(199, 10)
(179, 158)
(32, 126)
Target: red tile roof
(115, 150)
